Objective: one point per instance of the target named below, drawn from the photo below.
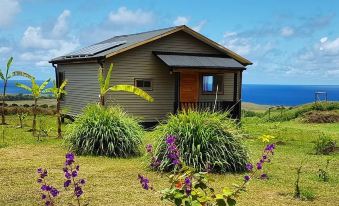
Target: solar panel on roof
(94, 49)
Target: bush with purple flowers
(71, 170)
(191, 187)
(48, 192)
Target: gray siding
(138, 63)
(82, 87)
(142, 63)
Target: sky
(289, 42)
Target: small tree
(36, 91)
(105, 87)
(5, 79)
(57, 93)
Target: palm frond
(63, 84)
(129, 88)
(2, 75)
(9, 62)
(22, 74)
(101, 79)
(23, 86)
(43, 85)
(108, 76)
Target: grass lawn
(114, 181)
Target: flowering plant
(48, 192)
(71, 171)
(188, 187)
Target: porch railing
(234, 108)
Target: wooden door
(189, 87)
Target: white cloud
(61, 26)
(198, 27)
(40, 47)
(8, 10)
(4, 50)
(329, 47)
(124, 16)
(323, 40)
(33, 38)
(287, 31)
(181, 20)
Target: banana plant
(105, 87)
(58, 92)
(5, 79)
(36, 91)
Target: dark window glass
(211, 83)
(144, 84)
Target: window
(144, 84)
(212, 82)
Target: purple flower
(82, 181)
(259, 166)
(48, 203)
(67, 175)
(144, 182)
(247, 178)
(43, 196)
(67, 183)
(249, 166)
(264, 157)
(54, 192)
(39, 180)
(263, 176)
(188, 181)
(78, 191)
(65, 169)
(170, 139)
(70, 156)
(149, 148)
(77, 167)
(39, 170)
(74, 173)
(155, 163)
(44, 187)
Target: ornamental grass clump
(205, 141)
(104, 131)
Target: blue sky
(290, 42)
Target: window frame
(221, 90)
(144, 79)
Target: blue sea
(288, 95)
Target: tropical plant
(104, 83)
(5, 79)
(205, 140)
(36, 91)
(22, 116)
(58, 92)
(104, 131)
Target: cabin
(177, 66)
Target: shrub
(104, 131)
(205, 141)
(44, 106)
(324, 145)
(321, 117)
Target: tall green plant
(104, 83)
(57, 93)
(5, 79)
(36, 91)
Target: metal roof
(118, 44)
(127, 40)
(191, 61)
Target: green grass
(114, 181)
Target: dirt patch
(321, 117)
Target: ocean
(288, 95)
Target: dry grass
(114, 181)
